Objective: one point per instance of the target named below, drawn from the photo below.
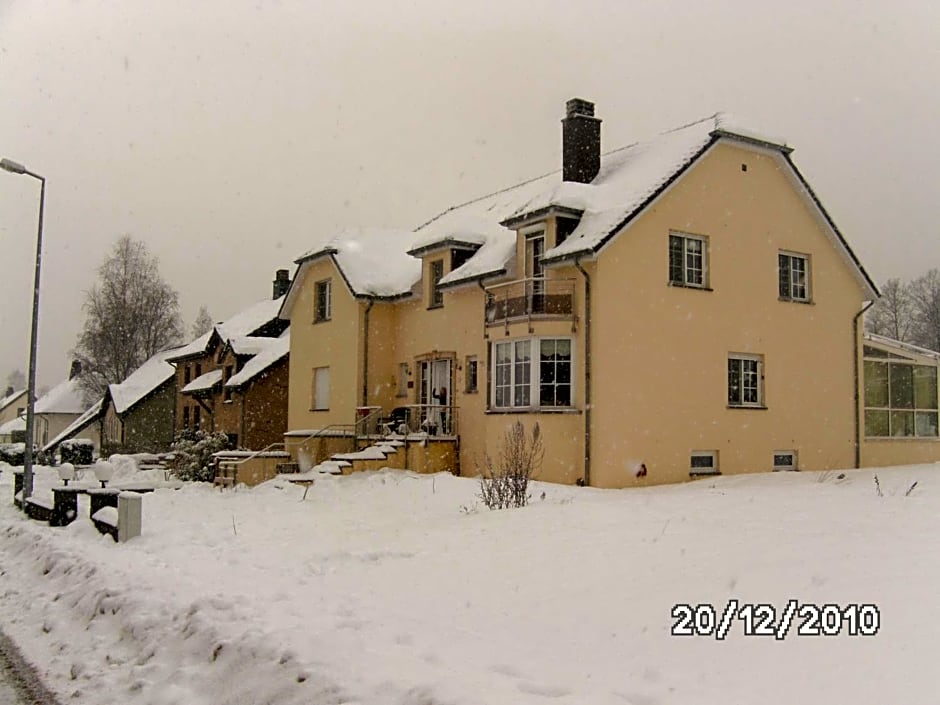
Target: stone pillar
(130, 510)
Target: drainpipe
(587, 372)
(365, 354)
(858, 429)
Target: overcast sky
(232, 136)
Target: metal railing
(437, 420)
(525, 298)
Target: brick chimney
(281, 283)
(9, 391)
(580, 142)
(75, 370)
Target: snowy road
(18, 686)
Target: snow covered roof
(373, 261)
(142, 381)
(83, 421)
(10, 399)
(242, 324)
(901, 346)
(204, 382)
(276, 349)
(64, 398)
(17, 424)
(249, 344)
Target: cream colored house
(677, 308)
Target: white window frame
(525, 393)
(695, 471)
(895, 412)
(435, 293)
(792, 466)
(740, 402)
(321, 389)
(323, 291)
(686, 279)
(403, 374)
(792, 293)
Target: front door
(434, 395)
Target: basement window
(703, 462)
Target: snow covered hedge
(193, 451)
(78, 451)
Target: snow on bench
(106, 515)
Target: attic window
(458, 257)
(563, 228)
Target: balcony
(529, 298)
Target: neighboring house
(58, 408)
(87, 426)
(253, 409)
(900, 421)
(12, 405)
(677, 308)
(138, 415)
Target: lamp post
(15, 168)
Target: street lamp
(15, 168)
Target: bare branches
(131, 314)
(909, 312)
(506, 484)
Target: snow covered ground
(392, 588)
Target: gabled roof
(244, 323)
(629, 180)
(64, 398)
(142, 381)
(203, 382)
(92, 414)
(275, 350)
(11, 399)
(374, 263)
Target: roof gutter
(857, 379)
(365, 353)
(586, 480)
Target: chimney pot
(281, 283)
(581, 142)
(76, 369)
(9, 391)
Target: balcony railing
(526, 298)
(434, 419)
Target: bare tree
(505, 483)
(925, 302)
(892, 314)
(203, 322)
(131, 315)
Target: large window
(532, 373)
(745, 380)
(321, 388)
(688, 260)
(900, 399)
(793, 271)
(323, 301)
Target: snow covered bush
(78, 451)
(193, 452)
(505, 484)
(12, 453)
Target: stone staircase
(388, 453)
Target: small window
(197, 420)
(471, 373)
(703, 462)
(323, 301)
(186, 376)
(232, 440)
(321, 389)
(185, 417)
(784, 460)
(745, 380)
(437, 273)
(198, 369)
(688, 261)
(793, 277)
(402, 379)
